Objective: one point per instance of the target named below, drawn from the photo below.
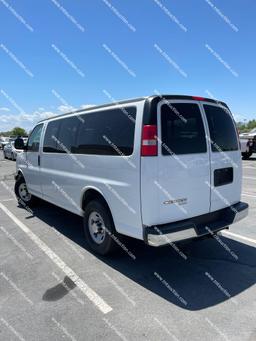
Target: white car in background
(248, 143)
(3, 141)
(10, 152)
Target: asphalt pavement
(53, 288)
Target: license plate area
(223, 176)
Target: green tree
(18, 131)
(246, 126)
(5, 133)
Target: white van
(160, 169)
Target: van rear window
(182, 129)
(222, 130)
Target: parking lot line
(239, 236)
(249, 177)
(4, 200)
(90, 293)
(249, 167)
(249, 195)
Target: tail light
(149, 140)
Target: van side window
(34, 139)
(108, 132)
(182, 129)
(66, 142)
(51, 136)
(222, 130)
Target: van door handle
(38, 160)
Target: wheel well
(20, 175)
(92, 194)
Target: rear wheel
(246, 155)
(99, 229)
(22, 193)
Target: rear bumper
(195, 227)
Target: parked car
(248, 143)
(3, 141)
(10, 152)
(160, 169)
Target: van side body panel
(66, 177)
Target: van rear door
(225, 156)
(183, 161)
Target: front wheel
(22, 193)
(99, 229)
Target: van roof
(150, 98)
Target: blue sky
(53, 57)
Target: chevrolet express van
(160, 169)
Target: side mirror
(19, 144)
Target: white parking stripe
(249, 167)
(249, 177)
(91, 294)
(239, 236)
(249, 195)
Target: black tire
(31, 201)
(246, 155)
(12, 157)
(109, 242)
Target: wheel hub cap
(96, 227)
(23, 192)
